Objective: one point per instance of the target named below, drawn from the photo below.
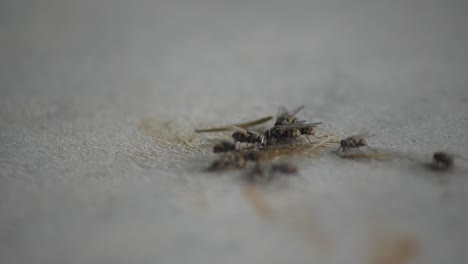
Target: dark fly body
(442, 160)
(355, 141)
(233, 160)
(226, 146)
(263, 174)
(291, 131)
(247, 136)
(284, 168)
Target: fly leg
(338, 150)
(290, 144)
(373, 149)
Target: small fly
(442, 160)
(354, 141)
(291, 131)
(248, 136)
(234, 160)
(226, 146)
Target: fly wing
(254, 122)
(312, 124)
(284, 116)
(243, 125)
(239, 129)
(282, 113)
(299, 125)
(364, 134)
(298, 122)
(295, 111)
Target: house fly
(231, 160)
(248, 136)
(354, 141)
(442, 160)
(291, 131)
(225, 146)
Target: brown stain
(310, 231)
(317, 240)
(199, 200)
(166, 132)
(282, 152)
(300, 223)
(393, 249)
(179, 139)
(168, 137)
(326, 142)
(369, 156)
(258, 202)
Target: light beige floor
(98, 101)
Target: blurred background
(99, 99)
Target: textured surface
(98, 101)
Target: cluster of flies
(287, 128)
(241, 152)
